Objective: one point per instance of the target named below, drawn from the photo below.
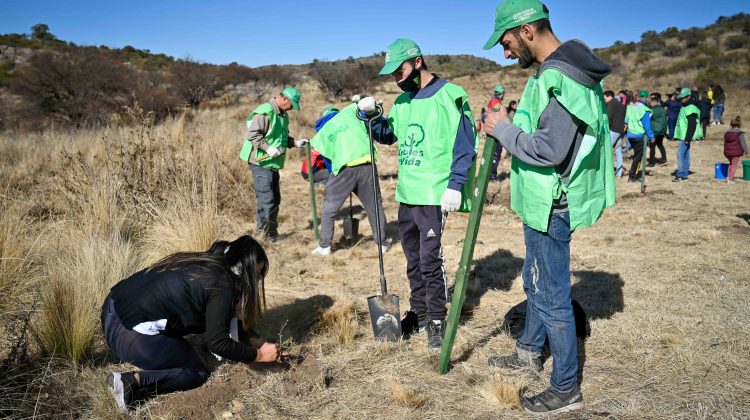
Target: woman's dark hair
(239, 261)
(510, 106)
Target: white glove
(301, 142)
(273, 152)
(367, 105)
(356, 98)
(451, 200)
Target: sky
(256, 33)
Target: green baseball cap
(643, 94)
(514, 13)
(499, 89)
(329, 109)
(291, 93)
(684, 93)
(399, 51)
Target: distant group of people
(641, 119)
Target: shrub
(735, 42)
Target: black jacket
(192, 301)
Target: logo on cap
(523, 15)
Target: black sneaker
(552, 402)
(435, 333)
(412, 324)
(514, 362)
(123, 387)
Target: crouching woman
(146, 316)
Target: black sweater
(192, 301)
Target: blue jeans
(671, 125)
(683, 160)
(618, 151)
(549, 313)
(718, 112)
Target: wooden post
(312, 191)
(467, 255)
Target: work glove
(367, 105)
(274, 152)
(451, 200)
(356, 98)
(301, 142)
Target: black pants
(168, 363)
(267, 198)
(637, 145)
(658, 142)
(420, 229)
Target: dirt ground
(664, 280)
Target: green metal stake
(312, 191)
(467, 255)
(643, 165)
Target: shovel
(351, 225)
(384, 311)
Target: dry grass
(502, 391)
(73, 291)
(18, 273)
(405, 396)
(341, 322)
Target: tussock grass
(502, 391)
(341, 322)
(73, 291)
(186, 222)
(405, 396)
(18, 273)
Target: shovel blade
(351, 228)
(385, 317)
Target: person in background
(264, 149)
(659, 127)
(146, 316)
(512, 107)
(616, 117)
(623, 97)
(673, 111)
(694, 94)
(638, 122)
(344, 142)
(494, 105)
(643, 96)
(719, 97)
(687, 128)
(704, 105)
(734, 147)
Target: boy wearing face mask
(433, 125)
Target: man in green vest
(686, 130)
(638, 123)
(343, 140)
(561, 180)
(437, 142)
(264, 149)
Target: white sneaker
(384, 248)
(322, 251)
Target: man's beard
(525, 56)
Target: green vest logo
(409, 152)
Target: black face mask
(410, 83)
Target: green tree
(40, 32)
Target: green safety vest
(591, 186)
(426, 131)
(680, 130)
(343, 139)
(277, 135)
(633, 115)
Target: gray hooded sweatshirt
(559, 134)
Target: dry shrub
(76, 285)
(187, 222)
(407, 397)
(502, 391)
(669, 340)
(341, 322)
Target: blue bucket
(721, 170)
